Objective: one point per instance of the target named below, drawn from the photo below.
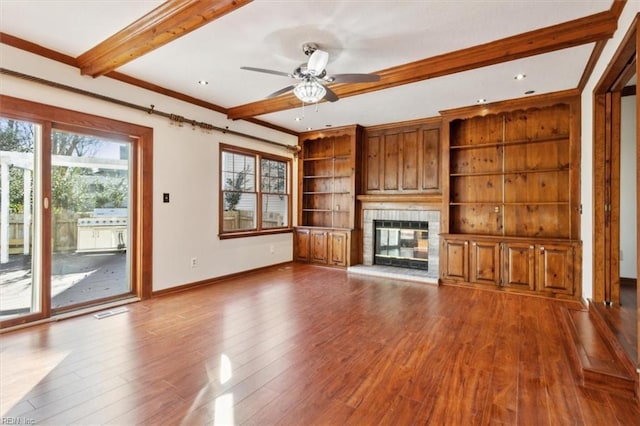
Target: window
(254, 192)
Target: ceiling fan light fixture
(309, 91)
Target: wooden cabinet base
(324, 246)
(534, 266)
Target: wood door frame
(142, 187)
(606, 168)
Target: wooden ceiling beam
(169, 21)
(590, 29)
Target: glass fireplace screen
(402, 243)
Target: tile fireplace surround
(370, 215)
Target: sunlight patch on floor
(29, 368)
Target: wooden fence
(64, 233)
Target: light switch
(165, 197)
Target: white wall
(629, 12)
(628, 220)
(185, 165)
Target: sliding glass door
(90, 197)
(64, 218)
(20, 247)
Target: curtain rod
(149, 110)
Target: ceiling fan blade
(353, 78)
(317, 61)
(284, 74)
(281, 91)
(330, 95)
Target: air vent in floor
(110, 313)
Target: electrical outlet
(194, 262)
(272, 249)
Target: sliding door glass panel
(90, 238)
(20, 285)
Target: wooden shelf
(318, 159)
(327, 187)
(333, 157)
(510, 143)
(501, 203)
(512, 172)
(512, 197)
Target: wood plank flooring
(623, 318)
(301, 345)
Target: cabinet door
(105, 238)
(455, 260)
(338, 244)
(555, 268)
(301, 245)
(485, 261)
(519, 269)
(318, 244)
(86, 239)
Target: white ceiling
(361, 36)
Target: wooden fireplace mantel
(400, 202)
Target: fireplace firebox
(402, 243)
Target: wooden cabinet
(513, 177)
(484, 262)
(455, 256)
(512, 264)
(322, 246)
(301, 244)
(338, 242)
(555, 268)
(519, 269)
(328, 185)
(318, 243)
(402, 159)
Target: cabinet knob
(542, 249)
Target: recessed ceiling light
(309, 128)
(529, 92)
(328, 125)
(298, 118)
(520, 77)
(203, 82)
(481, 101)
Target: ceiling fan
(313, 77)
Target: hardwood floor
(625, 317)
(302, 345)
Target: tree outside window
(254, 191)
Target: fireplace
(411, 213)
(401, 243)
